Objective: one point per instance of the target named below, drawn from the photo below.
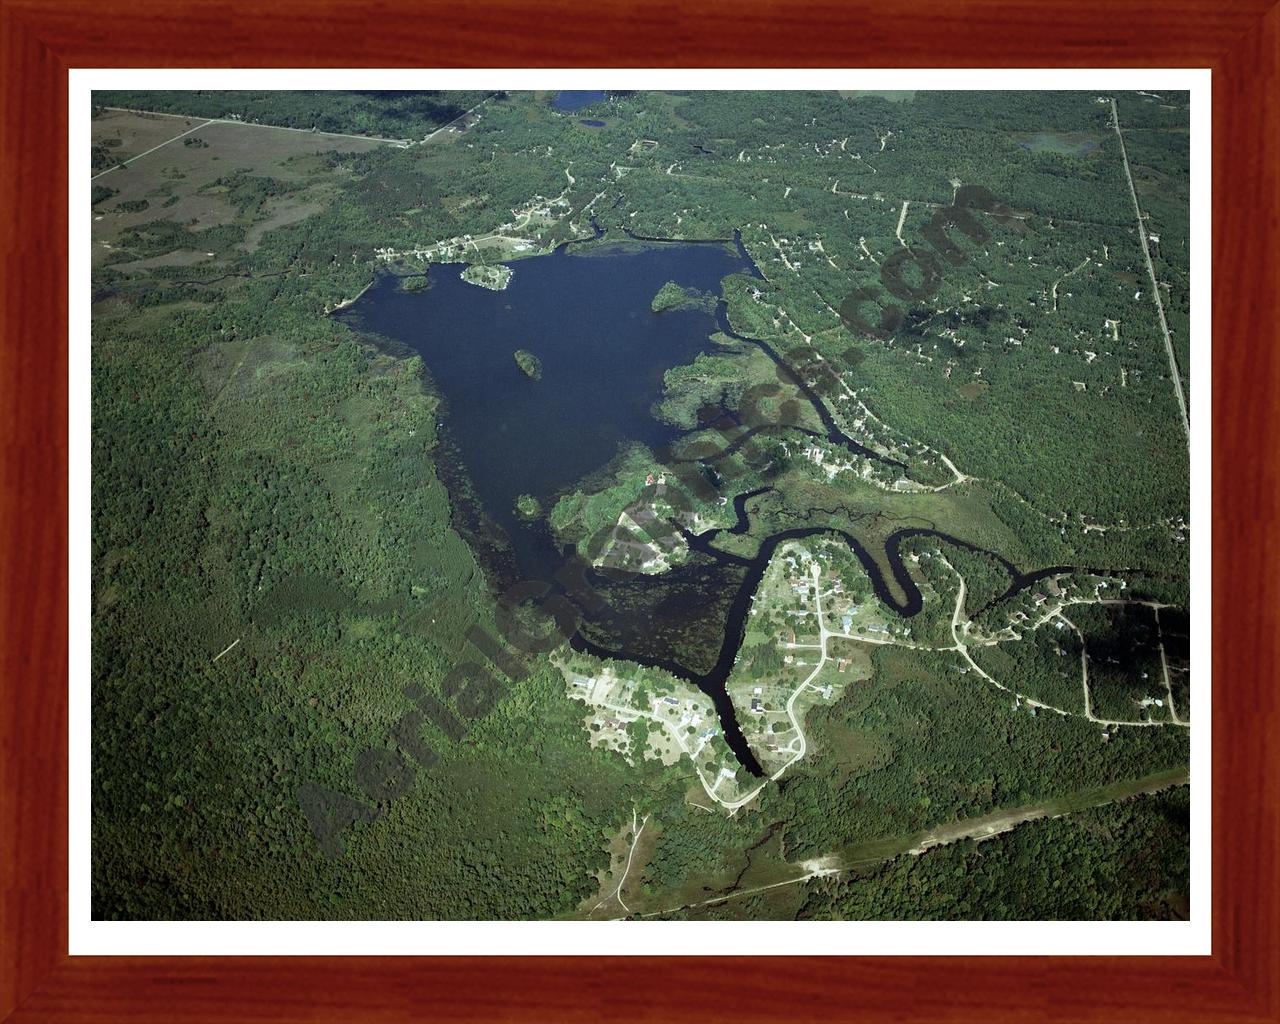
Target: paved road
(459, 117)
(1155, 286)
(126, 163)
(256, 124)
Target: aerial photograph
(640, 505)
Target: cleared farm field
(183, 181)
(278, 213)
(177, 258)
(124, 135)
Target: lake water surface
(570, 101)
(587, 318)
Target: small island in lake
(528, 507)
(529, 364)
(675, 296)
(495, 278)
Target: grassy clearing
(277, 213)
(892, 95)
(190, 174)
(122, 135)
(1074, 144)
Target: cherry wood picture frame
(41, 39)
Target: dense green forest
(1128, 861)
(1125, 861)
(283, 606)
(925, 743)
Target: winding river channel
(586, 316)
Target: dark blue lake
(571, 101)
(587, 317)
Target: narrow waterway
(586, 316)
